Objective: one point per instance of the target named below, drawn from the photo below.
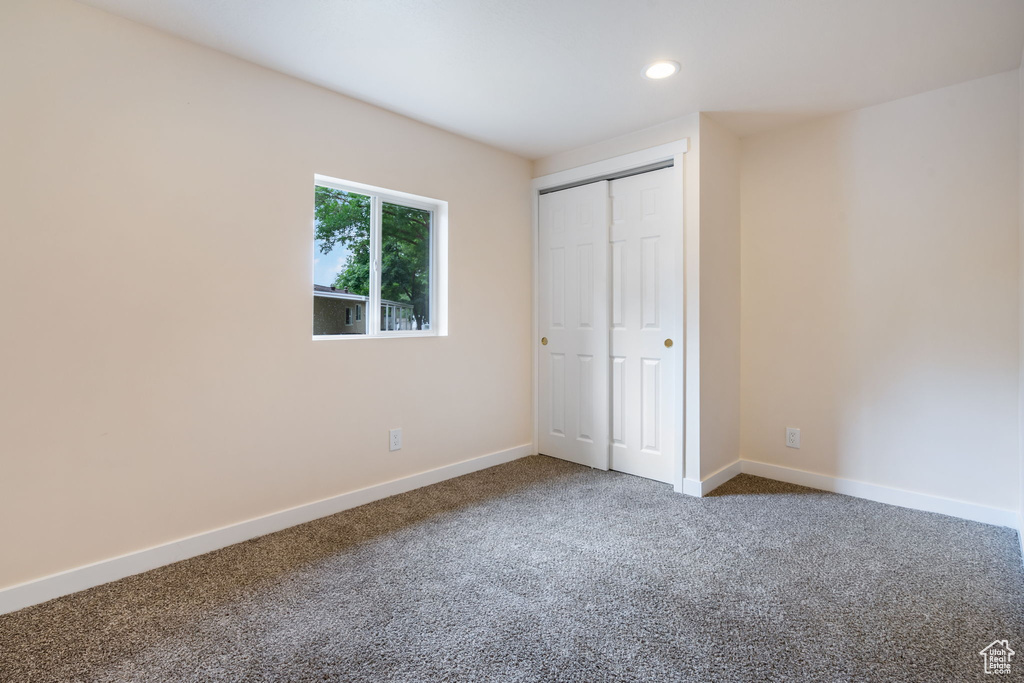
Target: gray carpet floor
(540, 570)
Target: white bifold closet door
(573, 319)
(609, 317)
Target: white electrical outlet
(395, 436)
(792, 437)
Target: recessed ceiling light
(661, 69)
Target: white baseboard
(885, 494)
(713, 481)
(692, 487)
(73, 580)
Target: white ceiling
(540, 76)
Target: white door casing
(573, 295)
(644, 321)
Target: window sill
(384, 335)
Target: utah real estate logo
(997, 657)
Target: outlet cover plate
(792, 437)
(395, 439)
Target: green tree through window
(343, 219)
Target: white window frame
(438, 258)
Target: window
(380, 251)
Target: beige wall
(677, 129)
(719, 297)
(159, 196)
(879, 293)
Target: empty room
(578, 340)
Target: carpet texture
(540, 570)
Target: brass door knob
(544, 341)
(668, 343)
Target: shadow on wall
(879, 291)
